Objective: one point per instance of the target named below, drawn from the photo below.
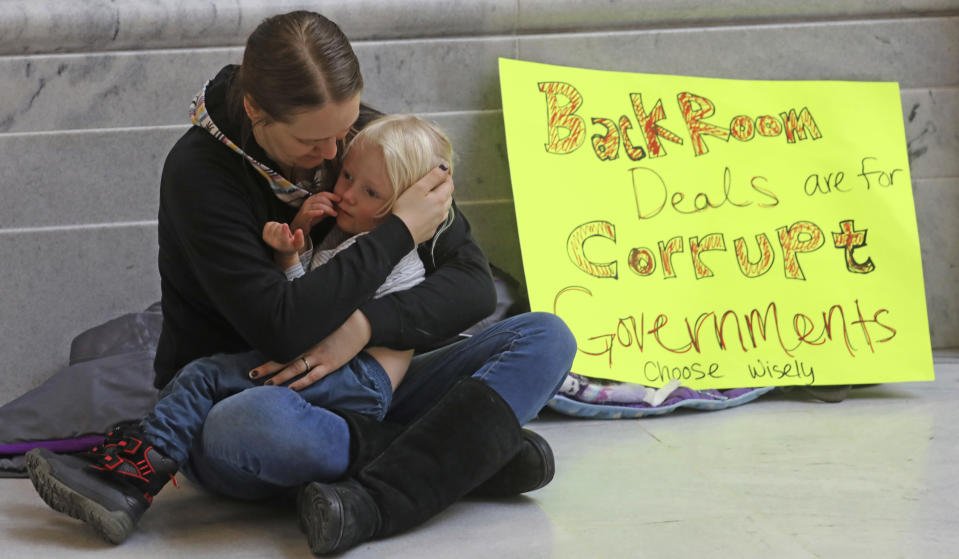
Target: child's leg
(178, 416)
(361, 386)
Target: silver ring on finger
(306, 364)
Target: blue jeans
(177, 419)
(264, 440)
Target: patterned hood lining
(289, 193)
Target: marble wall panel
(149, 88)
(82, 177)
(932, 131)
(106, 90)
(480, 167)
(916, 52)
(71, 26)
(416, 19)
(101, 176)
(494, 228)
(43, 26)
(936, 211)
(95, 25)
(574, 15)
(57, 284)
(63, 92)
(434, 75)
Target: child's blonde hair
(412, 147)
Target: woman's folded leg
(265, 440)
(523, 358)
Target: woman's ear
(252, 111)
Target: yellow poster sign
(726, 233)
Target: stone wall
(94, 93)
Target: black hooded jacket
(222, 293)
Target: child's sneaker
(109, 488)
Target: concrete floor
(782, 477)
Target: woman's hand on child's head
(281, 239)
(315, 209)
(424, 206)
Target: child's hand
(281, 239)
(313, 210)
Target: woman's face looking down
(309, 138)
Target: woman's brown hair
(295, 62)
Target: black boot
(368, 438)
(532, 468)
(465, 438)
(108, 488)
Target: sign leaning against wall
(726, 233)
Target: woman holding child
(277, 367)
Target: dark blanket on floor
(109, 379)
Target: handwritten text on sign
(723, 232)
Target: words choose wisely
(726, 233)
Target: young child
(135, 462)
(381, 162)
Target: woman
(269, 134)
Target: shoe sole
(321, 517)
(112, 526)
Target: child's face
(364, 189)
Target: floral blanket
(582, 396)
